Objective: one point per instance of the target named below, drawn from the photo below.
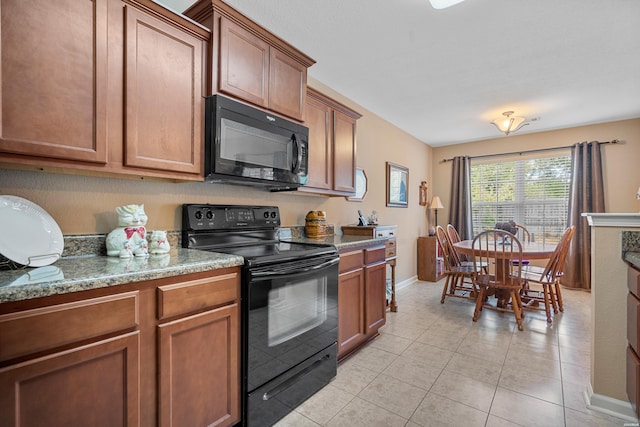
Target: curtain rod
(613, 141)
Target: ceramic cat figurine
(130, 238)
(158, 243)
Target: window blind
(532, 191)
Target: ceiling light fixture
(442, 4)
(508, 124)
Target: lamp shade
(436, 203)
(508, 124)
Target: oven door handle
(277, 274)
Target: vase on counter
(316, 224)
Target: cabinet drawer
(351, 260)
(390, 248)
(633, 281)
(633, 311)
(385, 232)
(187, 297)
(373, 255)
(46, 328)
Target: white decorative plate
(28, 234)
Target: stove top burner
(247, 231)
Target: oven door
(290, 334)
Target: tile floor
(433, 366)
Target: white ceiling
(444, 75)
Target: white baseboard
(406, 282)
(608, 405)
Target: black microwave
(245, 145)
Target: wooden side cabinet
(633, 337)
(429, 264)
(381, 231)
(361, 296)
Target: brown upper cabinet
(332, 146)
(102, 85)
(252, 64)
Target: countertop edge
(78, 274)
(633, 258)
(75, 274)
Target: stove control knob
(266, 214)
(273, 214)
(210, 215)
(198, 214)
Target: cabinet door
(199, 369)
(287, 84)
(376, 297)
(244, 64)
(351, 295)
(344, 166)
(53, 97)
(93, 385)
(319, 120)
(163, 95)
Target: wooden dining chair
(454, 237)
(455, 272)
(498, 247)
(548, 278)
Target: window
(533, 192)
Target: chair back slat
(560, 254)
(446, 247)
(523, 234)
(498, 248)
(454, 237)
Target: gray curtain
(460, 208)
(587, 195)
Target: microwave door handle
(298, 145)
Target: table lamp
(435, 205)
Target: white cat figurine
(158, 243)
(130, 238)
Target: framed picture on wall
(397, 184)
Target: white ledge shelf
(613, 219)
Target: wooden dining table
(531, 250)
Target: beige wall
(85, 205)
(621, 161)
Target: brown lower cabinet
(162, 352)
(633, 336)
(361, 296)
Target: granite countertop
(72, 274)
(340, 242)
(631, 247)
(77, 271)
(633, 258)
